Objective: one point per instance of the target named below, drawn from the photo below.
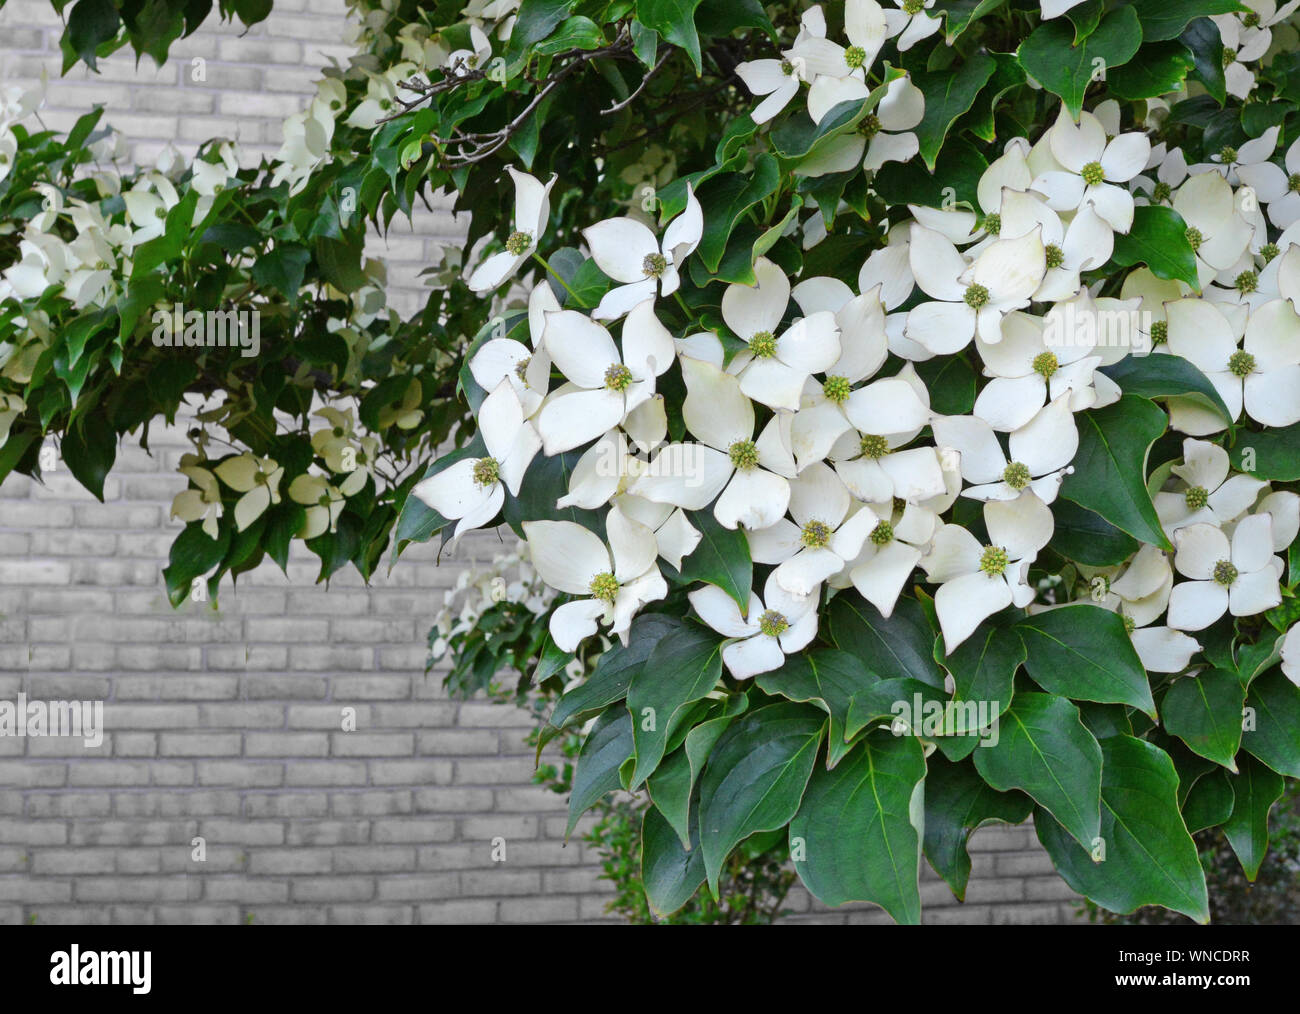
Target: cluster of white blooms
(836, 466)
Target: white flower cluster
(841, 476)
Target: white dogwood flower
(202, 502)
(883, 135)
(528, 371)
(891, 552)
(774, 626)
(258, 479)
(532, 212)
(1208, 494)
(629, 252)
(864, 24)
(1093, 168)
(910, 23)
(614, 582)
(1278, 188)
(1239, 577)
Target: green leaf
(1204, 711)
(828, 679)
(1082, 651)
(1158, 239)
(1148, 858)
(900, 646)
(984, 666)
(675, 21)
(721, 558)
(90, 24)
(1110, 466)
(951, 381)
(1275, 738)
(681, 669)
(948, 93)
(536, 20)
(1255, 789)
(755, 778)
(282, 269)
(959, 15)
(1203, 41)
(1164, 377)
(672, 785)
(1086, 537)
(670, 873)
(605, 749)
(1166, 19)
(192, 554)
(614, 671)
(89, 450)
(958, 803)
(1209, 803)
(1050, 56)
(1043, 749)
(859, 828)
(1273, 454)
(1162, 69)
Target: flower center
(1197, 497)
(1130, 624)
(521, 369)
(1250, 19)
(836, 389)
(1016, 475)
(1293, 182)
(1225, 573)
(1229, 57)
(773, 624)
(994, 560)
(654, 265)
(855, 57)
(1194, 237)
(1241, 364)
(618, 377)
(1092, 173)
(1161, 193)
(869, 126)
(1268, 251)
(486, 471)
(787, 68)
(1159, 332)
(743, 455)
(518, 243)
(1055, 255)
(815, 535)
(1228, 153)
(337, 431)
(993, 224)
(913, 6)
(604, 587)
(1046, 364)
(874, 446)
(882, 534)
(1247, 282)
(976, 297)
(763, 345)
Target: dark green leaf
(1204, 711)
(1051, 58)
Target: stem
(685, 309)
(546, 264)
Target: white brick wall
(225, 725)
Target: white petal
(719, 610)
(582, 349)
(1021, 526)
(754, 655)
(575, 621)
(566, 555)
(1194, 605)
(1252, 543)
(571, 420)
(749, 310)
(715, 408)
(1200, 547)
(1163, 649)
(620, 246)
(753, 499)
(964, 602)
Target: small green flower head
(855, 57)
(836, 389)
(518, 243)
(773, 624)
(1250, 19)
(618, 377)
(1197, 497)
(1093, 174)
(976, 297)
(882, 534)
(654, 265)
(1228, 154)
(1161, 193)
(994, 561)
(874, 446)
(521, 369)
(743, 455)
(1016, 475)
(1241, 364)
(1194, 237)
(787, 68)
(913, 7)
(1246, 282)
(1055, 255)
(1159, 332)
(869, 126)
(1225, 573)
(1293, 182)
(1130, 624)
(604, 587)
(763, 345)
(1269, 250)
(1046, 364)
(993, 224)
(486, 471)
(815, 535)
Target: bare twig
(639, 88)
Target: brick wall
(226, 725)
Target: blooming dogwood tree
(827, 358)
